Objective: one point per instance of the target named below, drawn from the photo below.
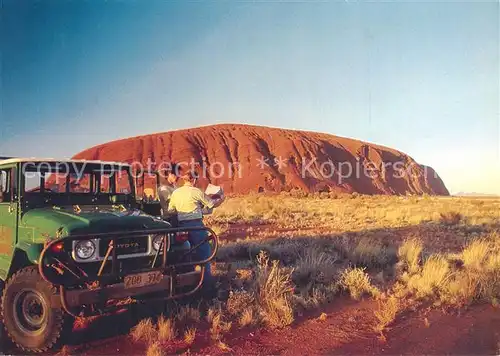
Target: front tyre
(30, 320)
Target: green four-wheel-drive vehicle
(74, 243)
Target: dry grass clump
(144, 331)
(166, 329)
(386, 313)
(357, 282)
(219, 326)
(317, 296)
(273, 291)
(190, 335)
(409, 254)
(456, 280)
(219, 322)
(461, 289)
(155, 349)
(247, 318)
(239, 301)
(474, 277)
(315, 276)
(480, 277)
(242, 305)
(476, 254)
(430, 280)
(223, 346)
(266, 298)
(314, 265)
(371, 253)
(213, 311)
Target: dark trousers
(202, 252)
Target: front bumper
(75, 298)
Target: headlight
(157, 242)
(84, 249)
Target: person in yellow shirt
(189, 203)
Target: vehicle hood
(50, 223)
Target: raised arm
(205, 200)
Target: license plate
(143, 279)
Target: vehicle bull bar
(53, 263)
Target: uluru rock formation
(244, 158)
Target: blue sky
(421, 77)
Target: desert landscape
(302, 269)
(347, 155)
(323, 273)
(342, 275)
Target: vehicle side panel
(9, 209)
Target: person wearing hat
(189, 203)
(168, 185)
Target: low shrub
(409, 253)
(357, 282)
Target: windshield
(146, 186)
(71, 177)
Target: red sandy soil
(228, 144)
(347, 329)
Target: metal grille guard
(110, 283)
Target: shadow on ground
(105, 334)
(436, 237)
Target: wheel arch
(21, 259)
